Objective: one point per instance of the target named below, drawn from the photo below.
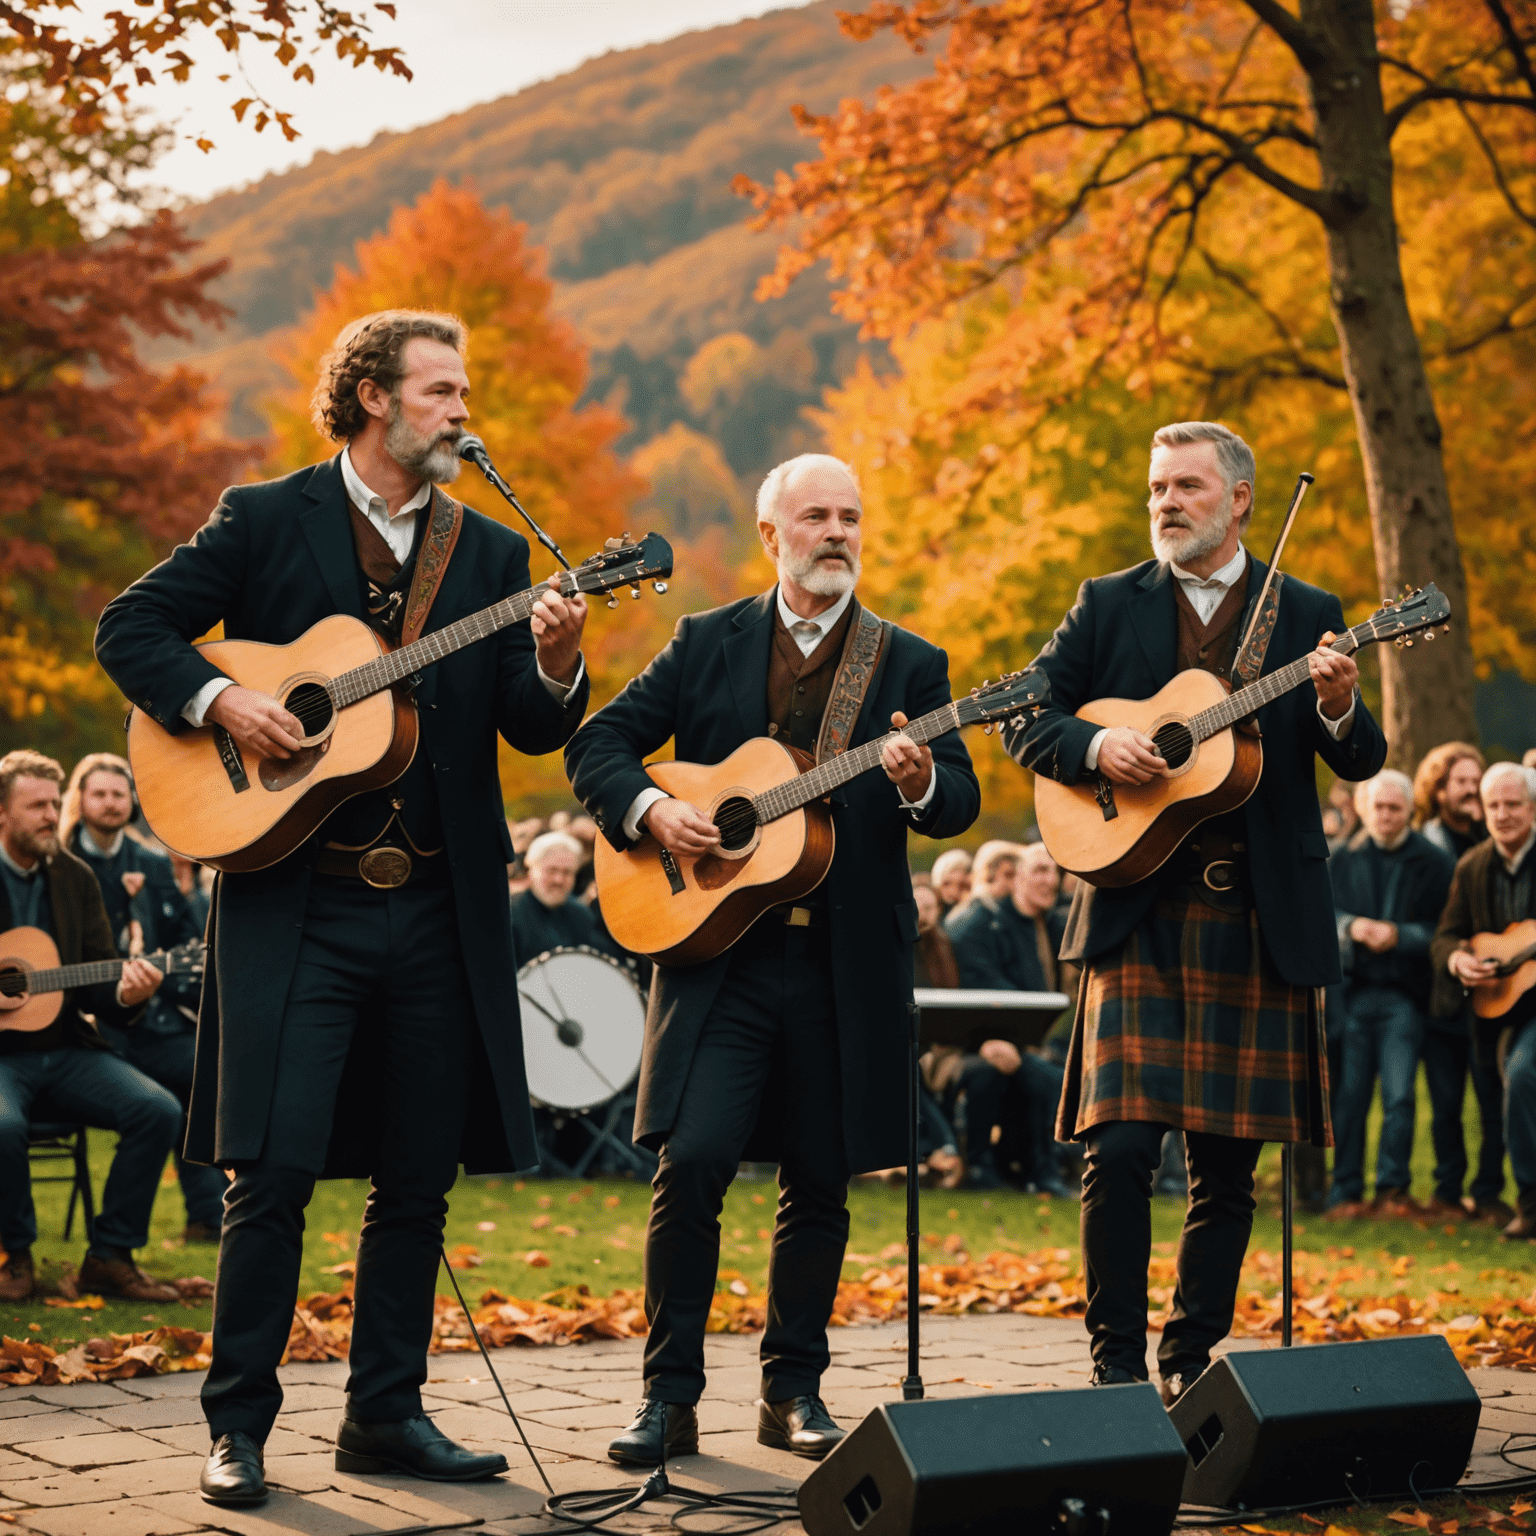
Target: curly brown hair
(1432, 774)
(373, 347)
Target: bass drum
(583, 1027)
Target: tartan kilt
(1189, 1024)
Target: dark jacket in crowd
(997, 947)
(1406, 885)
(933, 960)
(1483, 899)
(537, 928)
(1451, 842)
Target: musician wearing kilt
(1201, 1005)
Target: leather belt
(1213, 869)
(385, 866)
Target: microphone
(473, 451)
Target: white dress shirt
(398, 530)
(807, 641)
(1206, 594)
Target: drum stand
(602, 1134)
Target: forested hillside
(621, 171)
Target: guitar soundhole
(737, 821)
(1175, 741)
(312, 704)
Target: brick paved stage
(123, 1459)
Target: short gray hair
(550, 842)
(1234, 458)
(950, 859)
(771, 492)
(1507, 770)
(1388, 778)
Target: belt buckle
(798, 917)
(1220, 875)
(385, 867)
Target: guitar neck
(64, 978)
(825, 777)
(1513, 964)
(1247, 701)
(385, 671)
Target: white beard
(824, 578)
(1181, 545)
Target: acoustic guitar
(33, 983)
(207, 799)
(1116, 834)
(1515, 951)
(776, 836)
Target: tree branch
(1511, 202)
(1456, 94)
(1515, 44)
(1289, 29)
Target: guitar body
(29, 949)
(1150, 820)
(1494, 999)
(700, 906)
(209, 801)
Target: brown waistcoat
(799, 687)
(1211, 646)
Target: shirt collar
(15, 868)
(1512, 865)
(90, 847)
(364, 499)
(822, 621)
(1223, 578)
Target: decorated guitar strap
(432, 563)
(1250, 663)
(862, 652)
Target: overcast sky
(462, 52)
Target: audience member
(547, 915)
(951, 877)
(65, 1070)
(1446, 806)
(1012, 942)
(191, 881)
(1494, 886)
(933, 956)
(1389, 886)
(146, 911)
(992, 872)
(1341, 798)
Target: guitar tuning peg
(634, 591)
(1408, 643)
(986, 730)
(1445, 629)
(612, 544)
(660, 586)
(1429, 634)
(613, 600)
(975, 692)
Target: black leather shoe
(414, 1446)
(801, 1425)
(233, 1472)
(640, 1444)
(1112, 1376)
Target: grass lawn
(592, 1234)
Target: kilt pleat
(1189, 1024)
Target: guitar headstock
(1012, 697)
(1415, 612)
(186, 959)
(622, 563)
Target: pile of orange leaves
(1044, 1283)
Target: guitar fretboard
(61, 978)
(1246, 701)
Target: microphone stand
(1287, 1216)
(912, 1385)
(482, 462)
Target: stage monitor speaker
(1098, 1461)
(1381, 1418)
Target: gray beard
(434, 459)
(1179, 546)
(827, 578)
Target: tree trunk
(1426, 691)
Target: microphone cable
(590, 1509)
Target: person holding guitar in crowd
(1494, 888)
(1200, 1006)
(788, 1045)
(359, 1013)
(65, 1070)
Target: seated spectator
(951, 877)
(992, 873)
(546, 915)
(146, 911)
(65, 1071)
(1389, 886)
(1494, 886)
(933, 957)
(1447, 808)
(1342, 798)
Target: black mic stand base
(912, 1383)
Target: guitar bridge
(1104, 794)
(229, 756)
(673, 873)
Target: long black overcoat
(1121, 641)
(708, 692)
(273, 560)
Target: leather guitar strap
(1248, 665)
(862, 652)
(431, 563)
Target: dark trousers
(94, 1088)
(168, 1060)
(1117, 1244)
(387, 963)
(1448, 1062)
(1383, 1036)
(772, 1030)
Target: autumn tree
(1206, 197)
(527, 369)
(104, 461)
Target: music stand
(963, 1016)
